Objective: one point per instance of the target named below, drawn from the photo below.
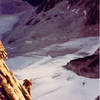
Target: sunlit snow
(50, 80)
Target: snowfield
(50, 80)
(7, 22)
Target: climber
(27, 83)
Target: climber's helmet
(27, 82)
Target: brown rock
(10, 87)
(87, 66)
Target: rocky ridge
(87, 66)
(10, 87)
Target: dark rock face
(98, 98)
(87, 66)
(92, 7)
(34, 2)
(43, 5)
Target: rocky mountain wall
(92, 7)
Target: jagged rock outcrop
(43, 5)
(92, 7)
(10, 87)
(87, 66)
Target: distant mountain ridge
(92, 7)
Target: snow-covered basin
(7, 22)
(51, 81)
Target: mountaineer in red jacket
(27, 83)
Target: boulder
(87, 66)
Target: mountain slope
(56, 25)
